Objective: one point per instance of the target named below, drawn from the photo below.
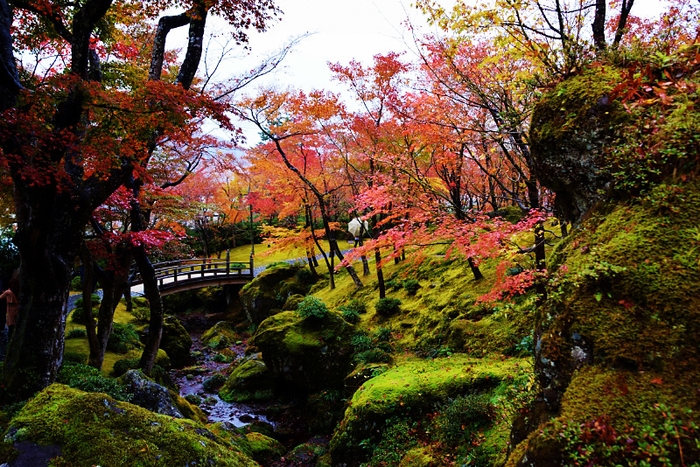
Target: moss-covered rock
(93, 429)
(410, 390)
(176, 341)
(249, 376)
(149, 394)
(263, 448)
(306, 354)
(269, 291)
(618, 333)
(220, 336)
(571, 125)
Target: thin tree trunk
(150, 286)
(90, 323)
(475, 269)
(380, 274)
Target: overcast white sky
(343, 30)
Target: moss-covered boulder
(410, 390)
(617, 336)
(263, 448)
(220, 336)
(571, 125)
(176, 341)
(93, 429)
(249, 376)
(149, 394)
(306, 354)
(269, 291)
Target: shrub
(77, 333)
(351, 316)
(361, 342)
(140, 308)
(122, 366)
(76, 283)
(398, 437)
(78, 315)
(75, 357)
(123, 338)
(387, 306)
(411, 286)
(374, 355)
(460, 419)
(89, 379)
(312, 307)
(392, 284)
(356, 306)
(221, 358)
(305, 276)
(383, 334)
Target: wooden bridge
(188, 274)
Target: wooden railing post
(228, 262)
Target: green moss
(187, 409)
(119, 434)
(412, 388)
(247, 377)
(418, 457)
(626, 288)
(263, 448)
(220, 336)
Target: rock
(250, 375)
(220, 336)
(176, 341)
(269, 291)
(263, 448)
(308, 355)
(93, 429)
(149, 395)
(570, 127)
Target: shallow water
(190, 381)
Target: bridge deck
(177, 276)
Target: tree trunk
(88, 286)
(9, 78)
(50, 226)
(475, 269)
(380, 274)
(114, 283)
(155, 325)
(150, 284)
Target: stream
(281, 417)
(190, 380)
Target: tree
(299, 144)
(80, 131)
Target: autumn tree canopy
(88, 98)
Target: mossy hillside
(119, 433)
(613, 416)
(447, 292)
(412, 389)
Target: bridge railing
(169, 273)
